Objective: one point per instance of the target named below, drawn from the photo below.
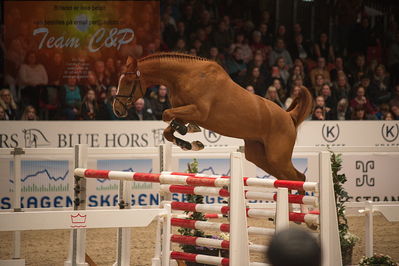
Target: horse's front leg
(184, 113)
(185, 145)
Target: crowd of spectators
(358, 82)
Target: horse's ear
(131, 61)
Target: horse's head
(129, 89)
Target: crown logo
(78, 220)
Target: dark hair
(294, 247)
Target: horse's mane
(174, 56)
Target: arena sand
(50, 248)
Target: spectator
(89, 107)
(160, 102)
(259, 62)
(267, 37)
(250, 88)
(293, 94)
(2, 113)
(393, 58)
(71, 99)
(221, 37)
(109, 101)
(395, 111)
(342, 111)
(272, 95)
(138, 112)
(329, 96)
(342, 87)
(92, 83)
(99, 71)
(283, 70)
(320, 81)
(359, 69)
(388, 116)
(299, 49)
(296, 74)
(278, 84)
(382, 111)
(258, 45)
(327, 111)
(361, 103)
(395, 97)
(216, 56)
(339, 67)
(55, 70)
(381, 85)
(257, 81)
(8, 105)
(242, 42)
(31, 75)
(318, 114)
(236, 66)
(282, 33)
(359, 113)
(180, 46)
(320, 69)
(280, 51)
(322, 48)
(29, 113)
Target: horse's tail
(301, 106)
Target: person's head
(319, 80)
(380, 70)
(297, 28)
(237, 54)
(90, 95)
(341, 81)
(91, 78)
(2, 113)
(99, 66)
(318, 113)
(281, 30)
(320, 101)
(5, 96)
(388, 116)
(31, 58)
(258, 60)
(250, 88)
(323, 37)
(255, 72)
(277, 84)
(29, 113)
(359, 113)
(256, 36)
(342, 105)
(365, 81)
(395, 111)
(263, 28)
(280, 45)
(294, 247)
(162, 91)
(326, 90)
(139, 105)
(360, 60)
(298, 39)
(214, 51)
(71, 82)
(280, 62)
(295, 91)
(321, 62)
(271, 93)
(181, 44)
(339, 63)
(112, 91)
(360, 91)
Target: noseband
(129, 97)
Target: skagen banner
(63, 134)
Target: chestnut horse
(202, 94)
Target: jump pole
(329, 236)
(239, 249)
(77, 250)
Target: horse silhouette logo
(34, 138)
(330, 133)
(390, 132)
(211, 136)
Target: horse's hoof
(193, 128)
(312, 226)
(197, 145)
(180, 128)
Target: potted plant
(377, 259)
(347, 239)
(193, 168)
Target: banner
(70, 39)
(108, 134)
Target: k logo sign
(330, 133)
(211, 136)
(390, 132)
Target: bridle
(130, 95)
